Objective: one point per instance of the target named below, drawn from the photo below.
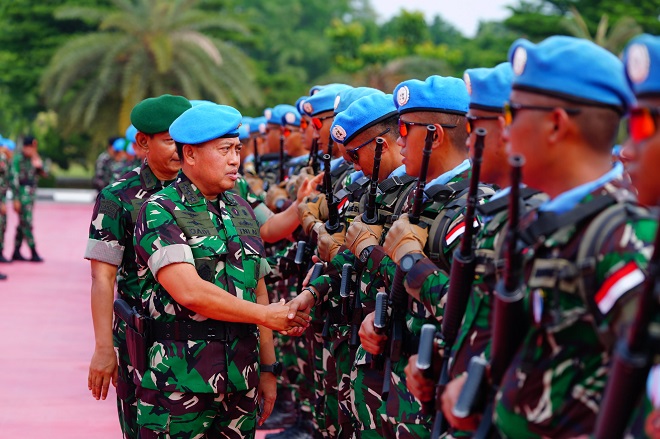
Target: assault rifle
(333, 224)
(398, 297)
(508, 317)
(632, 359)
(256, 156)
(460, 281)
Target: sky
(464, 14)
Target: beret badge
(339, 133)
(519, 60)
(290, 118)
(468, 83)
(308, 108)
(268, 113)
(639, 63)
(403, 95)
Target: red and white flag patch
(455, 232)
(342, 205)
(623, 280)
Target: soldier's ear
(142, 140)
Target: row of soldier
(409, 295)
(19, 173)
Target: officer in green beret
(110, 249)
(211, 364)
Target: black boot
(3, 276)
(35, 256)
(3, 260)
(17, 256)
(302, 429)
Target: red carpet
(47, 335)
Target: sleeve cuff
(104, 251)
(419, 273)
(171, 254)
(377, 255)
(264, 268)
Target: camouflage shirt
(24, 176)
(221, 239)
(555, 382)
(103, 171)
(113, 225)
(5, 175)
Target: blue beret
(120, 144)
(315, 89)
(244, 129)
(347, 97)
(196, 102)
(10, 144)
(130, 149)
(572, 69)
(257, 123)
(131, 131)
(437, 93)
(291, 116)
(361, 115)
(489, 89)
(299, 103)
(642, 60)
(205, 122)
(324, 100)
(277, 114)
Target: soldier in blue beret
(320, 108)
(5, 178)
(441, 102)
(110, 247)
(563, 113)
(202, 264)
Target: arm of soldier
(428, 284)
(103, 366)
(449, 400)
(268, 382)
(371, 341)
(280, 225)
(191, 291)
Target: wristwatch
(408, 261)
(275, 368)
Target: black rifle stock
(332, 225)
(314, 156)
(632, 359)
(461, 277)
(508, 315)
(425, 356)
(282, 171)
(398, 298)
(256, 156)
(345, 290)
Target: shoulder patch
(110, 208)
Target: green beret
(155, 115)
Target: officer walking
(201, 262)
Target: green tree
(143, 48)
(612, 38)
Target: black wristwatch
(408, 261)
(275, 368)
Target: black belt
(184, 330)
(26, 182)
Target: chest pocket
(207, 247)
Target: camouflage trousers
(325, 379)
(170, 415)
(340, 351)
(126, 401)
(403, 412)
(3, 229)
(24, 228)
(366, 390)
(305, 379)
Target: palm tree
(144, 48)
(613, 39)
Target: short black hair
(112, 139)
(28, 140)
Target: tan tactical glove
(329, 244)
(274, 194)
(311, 211)
(361, 235)
(404, 238)
(256, 184)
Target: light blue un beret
(490, 88)
(256, 125)
(361, 115)
(120, 144)
(438, 93)
(347, 97)
(205, 122)
(324, 100)
(244, 129)
(131, 132)
(291, 116)
(196, 102)
(642, 60)
(276, 114)
(572, 69)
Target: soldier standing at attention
(6, 149)
(110, 249)
(103, 167)
(201, 261)
(27, 168)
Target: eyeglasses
(318, 121)
(472, 119)
(286, 131)
(511, 109)
(643, 123)
(403, 126)
(304, 123)
(353, 153)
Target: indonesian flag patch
(623, 280)
(455, 232)
(342, 205)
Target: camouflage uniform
(24, 187)
(111, 241)
(103, 171)
(5, 178)
(220, 375)
(555, 382)
(445, 201)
